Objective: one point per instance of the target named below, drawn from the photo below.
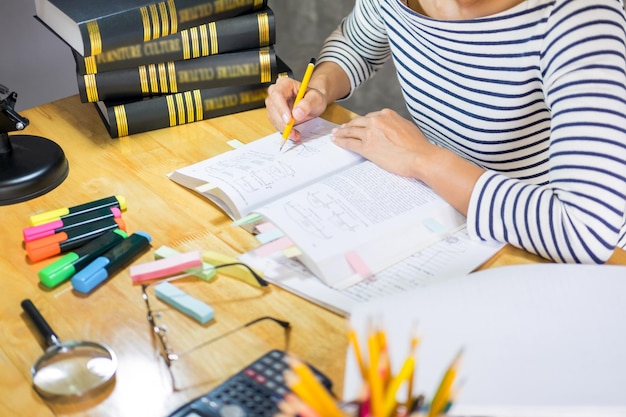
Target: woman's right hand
(279, 103)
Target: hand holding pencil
(301, 91)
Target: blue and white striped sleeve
(578, 215)
(359, 45)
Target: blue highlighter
(111, 262)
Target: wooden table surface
(135, 167)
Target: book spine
(127, 118)
(157, 20)
(249, 31)
(182, 108)
(234, 68)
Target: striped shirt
(536, 95)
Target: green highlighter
(63, 269)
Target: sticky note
(234, 143)
(165, 267)
(204, 188)
(206, 273)
(274, 246)
(250, 218)
(358, 265)
(433, 225)
(292, 252)
(184, 302)
(270, 235)
(264, 227)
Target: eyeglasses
(222, 360)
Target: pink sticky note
(165, 267)
(358, 265)
(264, 227)
(274, 246)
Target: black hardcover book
(248, 31)
(125, 119)
(102, 25)
(252, 66)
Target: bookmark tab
(292, 252)
(165, 267)
(358, 265)
(204, 188)
(250, 218)
(270, 235)
(433, 225)
(264, 227)
(274, 246)
(234, 143)
(184, 302)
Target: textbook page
(541, 340)
(454, 256)
(360, 221)
(244, 178)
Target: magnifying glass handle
(42, 325)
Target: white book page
(258, 172)
(453, 256)
(538, 340)
(363, 210)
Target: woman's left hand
(387, 139)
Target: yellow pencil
(442, 395)
(298, 387)
(314, 387)
(409, 389)
(389, 403)
(357, 353)
(374, 376)
(301, 91)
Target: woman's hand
(387, 139)
(280, 100)
(399, 146)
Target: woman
(518, 112)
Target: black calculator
(252, 392)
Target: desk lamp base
(30, 166)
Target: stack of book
(148, 65)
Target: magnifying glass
(71, 368)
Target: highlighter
(110, 262)
(67, 212)
(62, 269)
(62, 225)
(50, 246)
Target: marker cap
(93, 275)
(48, 216)
(49, 246)
(57, 272)
(57, 226)
(110, 262)
(62, 269)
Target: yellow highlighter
(238, 270)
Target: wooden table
(136, 167)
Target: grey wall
(33, 62)
(302, 27)
(40, 68)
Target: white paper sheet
(540, 340)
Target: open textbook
(349, 218)
(453, 256)
(540, 340)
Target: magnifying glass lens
(73, 370)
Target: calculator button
(232, 411)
